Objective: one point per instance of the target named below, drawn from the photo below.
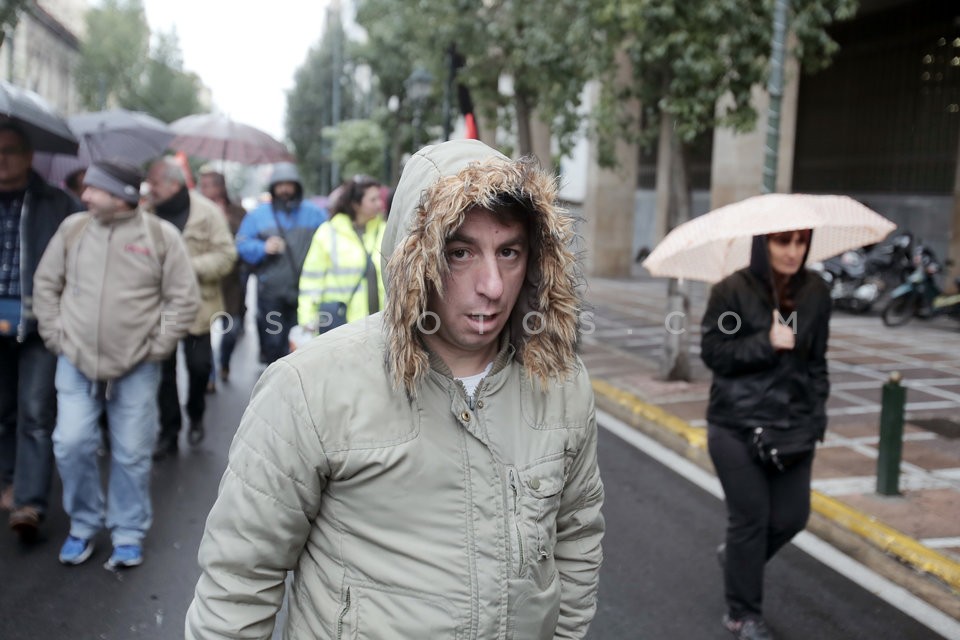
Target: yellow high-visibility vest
(335, 264)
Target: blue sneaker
(125, 555)
(75, 551)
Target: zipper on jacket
(515, 491)
(343, 614)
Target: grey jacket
(405, 510)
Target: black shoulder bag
(293, 265)
(334, 314)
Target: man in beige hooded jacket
(430, 471)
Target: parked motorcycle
(858, 279)
(920, 296)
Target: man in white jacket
(430, 471)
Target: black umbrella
(119, 134)
(47, 131)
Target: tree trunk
(523, 112)
(676, 351)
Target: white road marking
(829, 555)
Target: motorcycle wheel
(899, 310)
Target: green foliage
(10, 16)
(114, 55)
(310, 108)
(117, 67)
(358, 146)
(688, 57)
(549, 49)
(167, 91)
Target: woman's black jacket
(753, 385)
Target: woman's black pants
(765, 509)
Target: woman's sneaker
(747, 628)
(125, 555)
(75, 551)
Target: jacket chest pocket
(537, 490)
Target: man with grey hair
(212, 256)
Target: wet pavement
(921, 526)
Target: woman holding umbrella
(764, 336)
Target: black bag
(332, 315)
(781, 448)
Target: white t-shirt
(470, 383)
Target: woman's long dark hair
(783, 289)
(351, 194)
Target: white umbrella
(716, 244)
(214, 136)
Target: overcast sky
(245, 51)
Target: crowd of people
(445, 467)
(103, 289)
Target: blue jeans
(27, 417)
(231, 327)
(131, 405)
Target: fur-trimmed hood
(438, 186)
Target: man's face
(210, 187)
(162, 188)
(15, 161)
(285, 190)
(487, 260)
(101, 204)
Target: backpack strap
(155, 230)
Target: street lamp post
(418, 87)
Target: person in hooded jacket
(343, 263)
(429, 471)
(273, 239)
(764, 336)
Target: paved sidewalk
(920, 528)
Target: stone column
(541, 138)
(737, 165)
(610, 202)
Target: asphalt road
(660, 578)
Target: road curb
(886, 538)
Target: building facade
(880, 124)
(43, 50)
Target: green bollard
(891, 436)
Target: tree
(694, 66)
(548, 48)
(10, 16)
(114, 55)
(118, 67)
(310, 108)
(166, 90)
(358, 146)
